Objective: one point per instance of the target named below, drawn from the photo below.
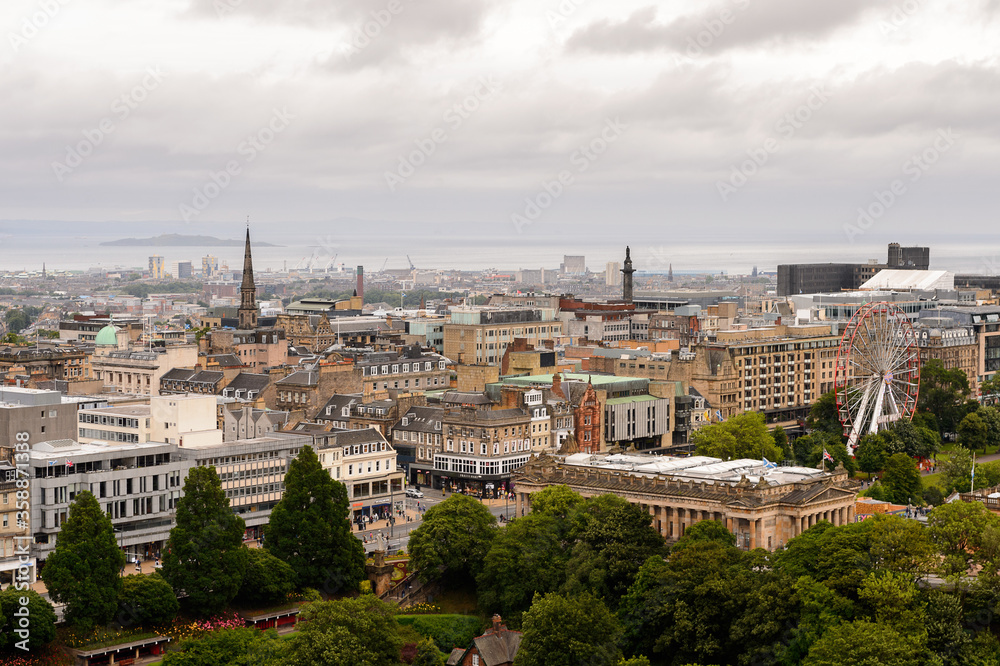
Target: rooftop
(696, 468)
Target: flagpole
(972, 485)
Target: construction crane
(412, 267)
(383, 265)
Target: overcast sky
(123, 110)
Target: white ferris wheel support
(877, 371)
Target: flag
(768, 464)
(718, 414)
(69, 463)
(52, 462)
(827, 456)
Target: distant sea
(69, 252)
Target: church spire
(248, 292)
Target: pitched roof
(498, 647)
(300, 378)
(249, 382)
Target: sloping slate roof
(177, 375)
(455, 657)
(250, 382)
(300, 378)
(498, 648)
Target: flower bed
(102, 637)
(50, 656)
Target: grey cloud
(377, 31)
(729, 24)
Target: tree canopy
(309, 529)
(205, 555)
(146, 599)
(742, 436)
(346, 632)
(561, 631)
(453, 539)
(83, 571)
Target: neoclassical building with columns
(763, 505)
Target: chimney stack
(496, 624)
(361, 283)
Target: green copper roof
(107, 336)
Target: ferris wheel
(878, 371)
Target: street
(378, 535)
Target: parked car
(413, 492)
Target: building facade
(763, 508)
(137, 485)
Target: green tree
(346, 632)
(244, 646)
(943, 393)
(871, 453)
(613, 539)
(900, 545)
(819, 608)
(146, 599)
(742, 436)
(864, 643)
(267, 580)
(561, 631)
(958, 530)
(957, 470)
(83, 572)
(528, 555)
(557, 501)
(309, 529)
(706, 530)
(781, 441)
(972, 432)
(894, 601)
(901, 479)
(453, 539)
(205, 555)
(991, 416)
(42, 618)
(428, 654)
(823, 415)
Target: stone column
(729, 524)
(753, 533)
(675, 529)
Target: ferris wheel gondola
(878, 371)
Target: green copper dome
(107, 336)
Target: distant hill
(179, 240)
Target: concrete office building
(41, 414)
(138, 485)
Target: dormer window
(405, 422)
(346, 412)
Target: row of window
(250, 491)
(105, 420)
(479, 467)
(109, 435)
(373, 370)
